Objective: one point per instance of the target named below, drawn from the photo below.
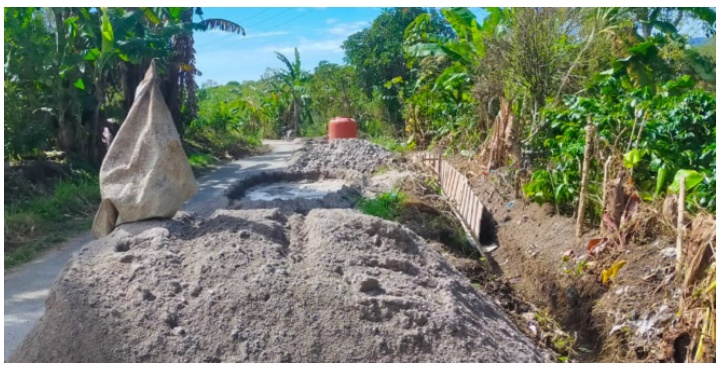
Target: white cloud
(265, 34)
(331, 21)
(307, 46)
(347, 29)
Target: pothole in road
(296, 192)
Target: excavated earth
(274, 281)
(348, 154)
(257, 286)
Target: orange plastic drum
(342, 128)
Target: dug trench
(550, 282)
(547, 317)
(530, 272)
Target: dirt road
(27, 286)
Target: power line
(271, 17)
(218, 47)
(230, 36)
(255, 15)
(291, 19)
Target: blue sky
(318, 34)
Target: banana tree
(468, 45)
(293, 80)
(445, 65)
(172, 29)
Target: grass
(202, 160)
(387, 205)
(394, 145)
(34, 225)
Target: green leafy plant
(201, 160)
(33, 225)
(387, 205)
(665, 133)
(395, 145)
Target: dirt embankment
(333, 286)
(541, 262)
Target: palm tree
(178, 85)
(293, 80)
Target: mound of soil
(354, 154)
(255, 286)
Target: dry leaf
(596, 245)
(612, 272)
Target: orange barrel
(342, 128)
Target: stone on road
(27, 286)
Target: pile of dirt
(354, 154)
(257, 286)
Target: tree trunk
(134, 74)
(590, 132)
(296, 115)
(171, 89)
(680, 227)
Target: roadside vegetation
(521, 90)
(70, 76)
(33, 224)
(386, 205)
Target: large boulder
(146, 173)
(257, 286)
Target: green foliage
(387, 205)
(674, 130)
(394, 145)
(334, 92)
(32, 225)
(378, 57)
(292, 82)
(66, 69)
(692, 179)
(440, 104)
(556, 187)
(201, 160)
(226, 123)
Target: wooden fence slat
(459, 190)
(469, 203)
(466, 197)
(453, 185)
(459, 197)
(473, 213)
(477, 218)
(456, 188)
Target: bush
(222, 143)
(33, 225)
(678, 132)
(394, 145)
(201, 160)
(386, 205)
